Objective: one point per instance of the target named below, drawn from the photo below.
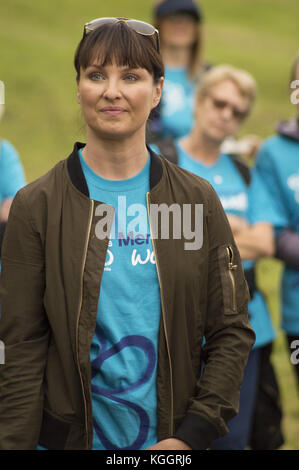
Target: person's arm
(266, 210)
(266, 195)
(253, 241)
(5, 208)
(12, 176)
(287, 248)
(256, 241)
(237, 224)
(228, 334)
(24, 330)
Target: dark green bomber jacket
(52, 262)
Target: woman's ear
(78, 92)
(158, 92)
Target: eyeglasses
(140, 27)
(236, 112)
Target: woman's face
(221, 112)
(179, 30)
(116, 101)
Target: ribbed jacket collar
(79, 181)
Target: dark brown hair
(120, 44)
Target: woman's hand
(170, 444)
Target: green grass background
(42, 119)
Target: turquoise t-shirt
(177, 103)
(124, 347)
(238, 199)
(12, 176)
(278, 166)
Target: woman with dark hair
(104, 339)
(278, 165)
(180, 26)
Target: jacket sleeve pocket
(235, 291)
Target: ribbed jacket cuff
(197, 432)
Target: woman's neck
(115, 159)
(201, 148)
(176, 56)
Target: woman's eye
(96, 76)
(131, 78)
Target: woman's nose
(227, 112)
(112, 89)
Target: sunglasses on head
(236, 112)
(140, 27)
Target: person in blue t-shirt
(278, 165)
(129, 263)
(12, 179)
(179, 24)
(224, 99)
(141, 315)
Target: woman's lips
(113, 110)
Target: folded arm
(256, 241)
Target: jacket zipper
(78, 315)
(164, 321)
(232, 267)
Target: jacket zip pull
(232, 267)
(163, 317)
(231, 264)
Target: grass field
(43, 120)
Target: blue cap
(169, 7)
